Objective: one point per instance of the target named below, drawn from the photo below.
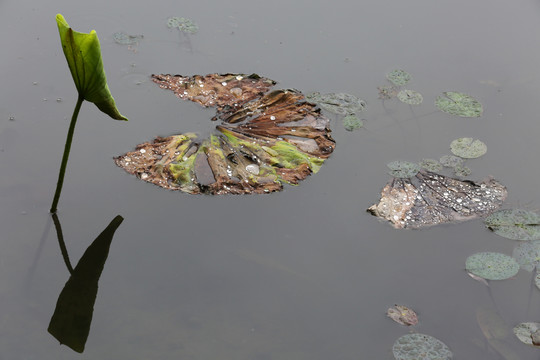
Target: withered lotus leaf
(264, 139)
(428, 199)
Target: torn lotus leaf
(264, 139)
(428, 199)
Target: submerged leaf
(431, 165)
(183, 24)
(492, 266)
(402, 315)
(515, 224)
(420, 347)
(83, 55)
(351, 122)
(462, 171)
(429, 199)
(527, 254)
(451, 161)
(403, 169)
(387, 92)
(459, 104)
(264, 139)
(468, 148)
(125, 39)
(338, 103)
(528, 333)
(410, 97)
(398, 77)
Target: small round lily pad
(528, 333)
(492, 266)
(450, 161)
(460, 104)
(527, 254)
(515, 224)
(398, 77)
(351, 122)
(410, 97)
(183, 24)
(431, 165)
(462, 171)
(468, 148)
(420, 347)
(403, 169)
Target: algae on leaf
(515, 224)
(263, 140)
(492, 266)
(459, 104)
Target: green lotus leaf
(431, 165)
(351, 122)
(403, 169)
(83, 55)
(468, 148)
(515, 224)
(492, 266)
(264, 139)
(527, 255)
(462, 171)
(460, 104)
(450, 161)
(410, 97)
(338, 103)
(420, 347)
(528, 333)
(398, 77)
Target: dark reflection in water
(70, 323)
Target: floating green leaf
(420, 347)
(450, 161)
(410, 97)
(402, 315)
(351, 122)
(468, 148)
(337, 103)
(527, 254)
(83, 55)
(264, 139)
(431, 165)
(462, 171)
(515, 224)
(528, 333)
(125, 39)
(183, 24)
(492, 266)
(403, 169)
(398, 77)
(459, 104)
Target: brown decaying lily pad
(402, 315)
(429, 199)
(264, 139)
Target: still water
(302, 274)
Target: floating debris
(431, 165)
(184, 25)
(338, 103)
(492, 266)
(527, 255)
(420, 347)
(125, 39)
(468, 148)
(398, 77)
(387, 92)
(528, 333)
(351, 122)
(428, 199)
(460, 104)
(402, 315)
(515, 224)
(410, 97)
(264, 139)
(403, 169)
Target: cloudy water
(305, 273)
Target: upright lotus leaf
(527, 254)
(460, 104)
(263, 139)
(468, 148)
(410, 97)
(528, 333)
(398, 77)
(70, 323)
(402, 315)
(83, 55)
(492, 266)
(420, 347)
(429, 198)
(338, 103)
(515, 224)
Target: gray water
(301, 274)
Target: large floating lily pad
(527, 254)
(429, 198)
(528, 333)
(402, 315)
(459, 104)
(515, 224)
(398, 77)
(263, 140)
(492, 266)
(468, 148)
(420, 347)
(338, 103)
(410, 97)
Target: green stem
(65, 157)
(60, 236)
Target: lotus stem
(65, 157)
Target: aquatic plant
(402, 315)
(398, 77)
(468, 148)
(528, 333)
(420, 347)
(83, 55)
(410, 97)
(351, 122)
(515, 224)
(459, 104)
(492, 265)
